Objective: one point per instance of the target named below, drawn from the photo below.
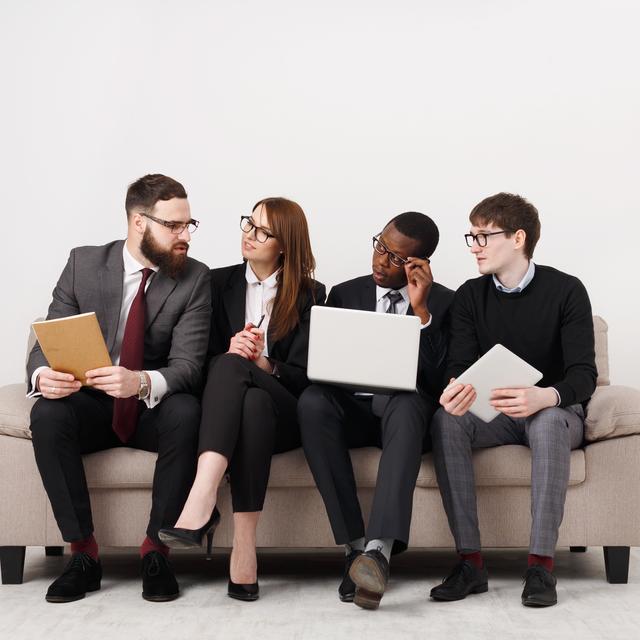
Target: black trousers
(333, 420)
(247, 416)
(65, 429)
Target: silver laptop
(363, 350)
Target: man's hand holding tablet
(522, 403)
(498, 382)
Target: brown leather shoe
(370, 573)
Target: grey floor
(298, 600)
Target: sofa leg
(616, 564)
(577, 549)
(12, 563)
(54, 551)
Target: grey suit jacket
(178, 312)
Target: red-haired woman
(258, 349)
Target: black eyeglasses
(175, 227)
(480, 238)
(394, 258)
(248, 225)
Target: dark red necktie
(125, 410)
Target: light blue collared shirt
(528, 277)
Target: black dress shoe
(179, 538)
(158, 582)
(347, 589)
(465, 578)
(82, 574)
(246, 592)
(539, 588)
(370, 573)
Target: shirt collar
(528, 277)
(381, 293)
(131, 265)
(271, 282)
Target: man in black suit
(153, 304)
(333, 420)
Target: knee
(50, 420)
(445, 427)
(227, 363)
(180, 417)
(316, 398)
(406, 413)
(317, 401)
(547, 426)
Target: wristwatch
(143, 392)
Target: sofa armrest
(613, 412)
(15, 411)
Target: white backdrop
(357, 110)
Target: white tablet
(499, 368)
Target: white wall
(357, 110)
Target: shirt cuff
(424, 326)
(159, 389)
(34, 393)
(557, 394)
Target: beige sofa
(602, 508)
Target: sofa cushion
(15, 411)
(121, 468)
(613, 411)
(508, 466)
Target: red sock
(474, 558)
(149, 545)
(88, 546)
(543, 561)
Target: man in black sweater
(543, 316)
(333, 419)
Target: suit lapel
(159, 290)
(110, 279)
(368, 295)
(234, 299)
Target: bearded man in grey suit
(153, 304)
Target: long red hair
(289, 225)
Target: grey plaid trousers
(551, 434)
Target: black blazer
(228, 298)
(360, 293)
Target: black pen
(257, 326)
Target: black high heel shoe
(246, 592)
(179, 538)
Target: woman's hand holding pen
(249, 343)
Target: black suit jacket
(228, 297)
(360, 293)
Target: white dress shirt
(259, 301)
(402, 306)
(132, 277)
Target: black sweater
(549, 324)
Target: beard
(170, 263)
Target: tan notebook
(74, 344)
